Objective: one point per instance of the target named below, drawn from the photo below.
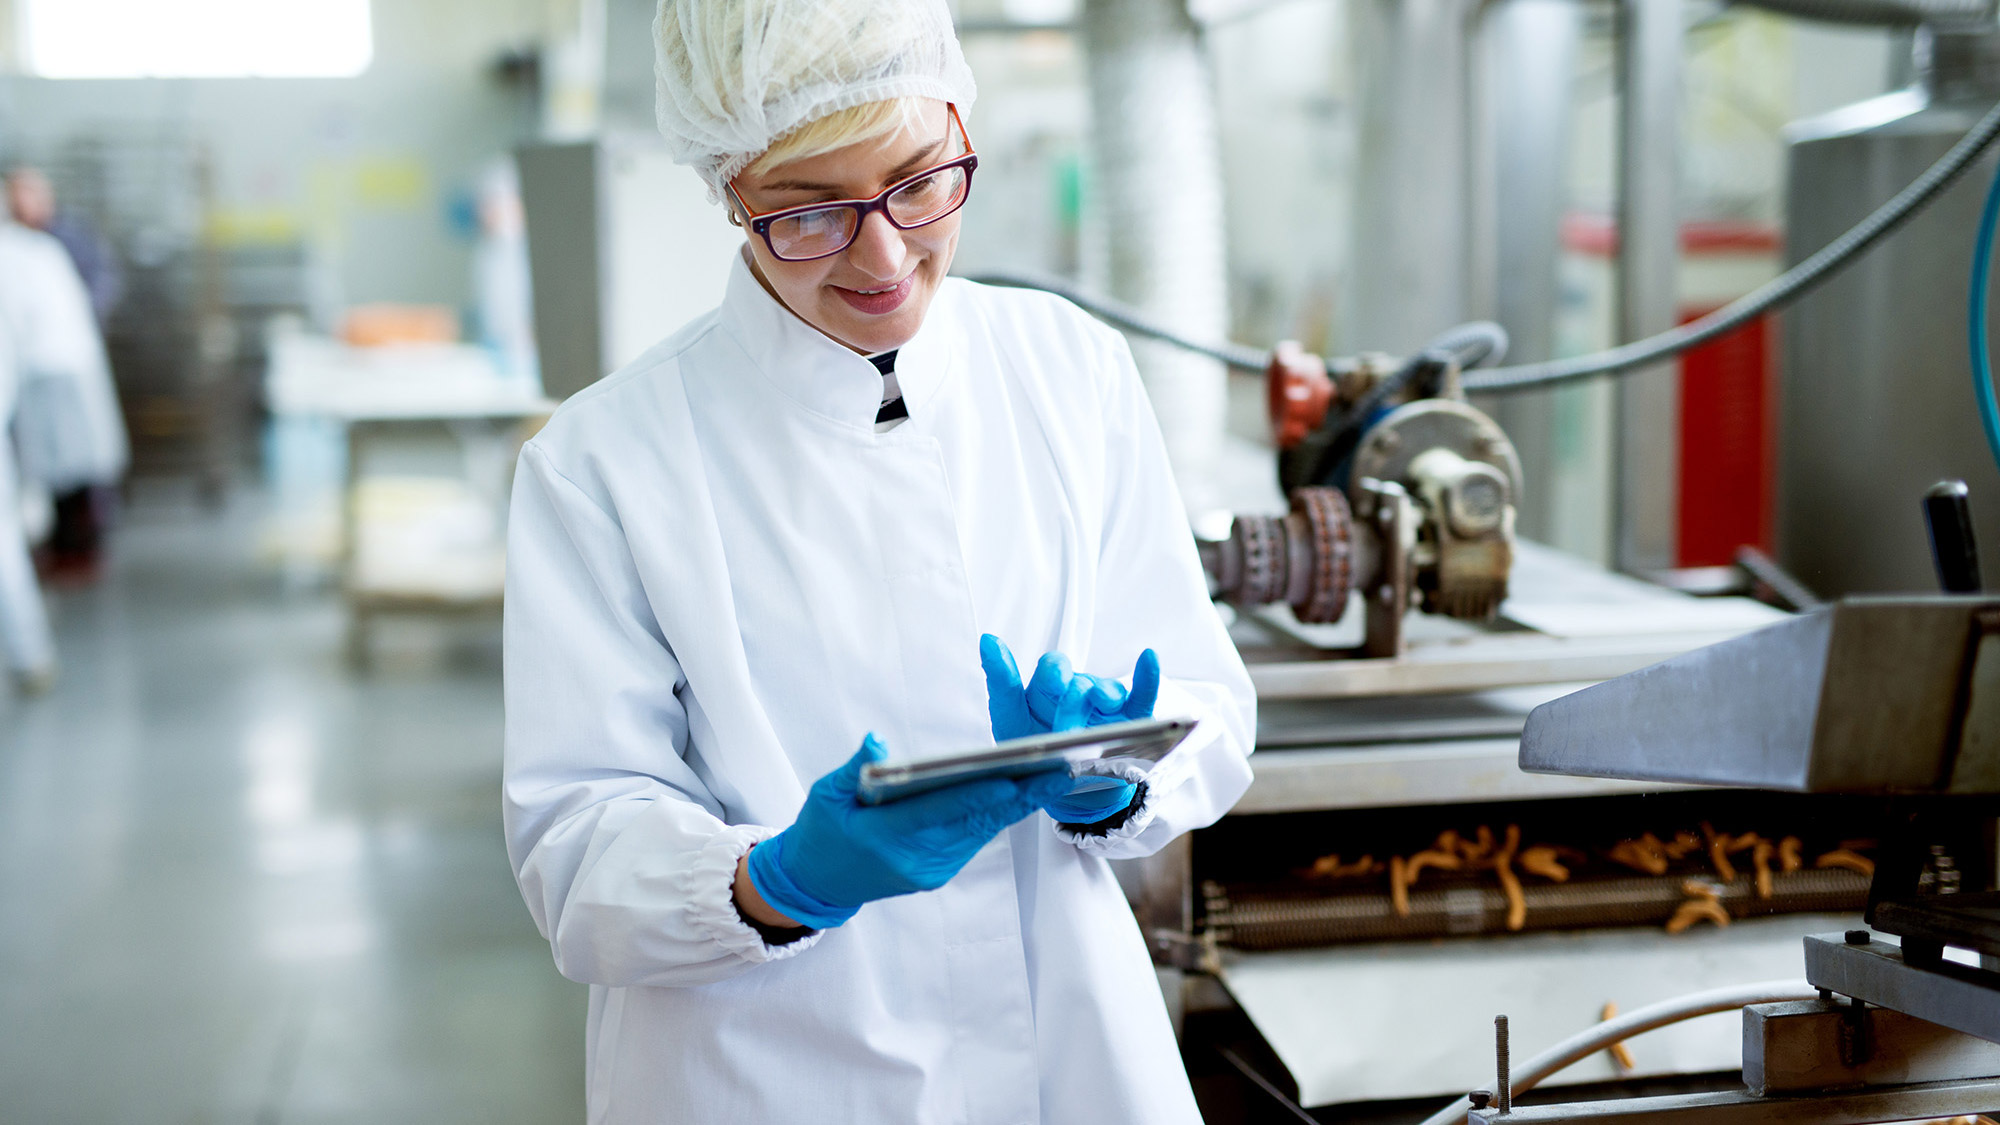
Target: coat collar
(823, 376)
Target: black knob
(1857, 937)
(1949, 518)
(1480, 1099)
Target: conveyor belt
(1283, 917)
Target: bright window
(195, 38)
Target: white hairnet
(733, 76)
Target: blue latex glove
(1057, 700)
(841, 853)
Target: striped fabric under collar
(892, 409)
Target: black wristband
(1116, 820)
(774, 935)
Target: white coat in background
(719, 578)
(25, 642)
(67, 423)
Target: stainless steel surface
(1413, 1019)
(1649, 83)
(1860, 697)
(1504, 660)
(1445, 772)
(1950, 995)
(1902, 1103)
(1876, 378)
(1812, 1045)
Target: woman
(814, 518)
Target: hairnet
(733, 76)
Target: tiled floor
(241, 884)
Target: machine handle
(1949, 518)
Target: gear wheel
(1327, 524)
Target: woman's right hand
(840, 853)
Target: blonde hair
(853, 125)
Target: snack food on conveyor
(1492, 878)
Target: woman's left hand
(1055, 699)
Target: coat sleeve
(622, 854)
(1152, 594)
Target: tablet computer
(1141, 739)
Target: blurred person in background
(31, 199)
(67, 430)
(25, 642)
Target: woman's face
(871, 296)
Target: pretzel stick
(1695, 910)
(1845, 857)
(1682, 843)
(1621, 1055)
(1503, 866)
(1788, 855)
(1718, 854)
(1543, 860)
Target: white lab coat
(720, 577)
(68, 423)
(25, 640)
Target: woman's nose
(878, 250)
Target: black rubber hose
(1472, 343)
(1879, 13)
(1123, 316)
(1774, 294)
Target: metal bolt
(1480, 1099)
(1857, 937)
(1503, 1065)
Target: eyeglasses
(817, 230)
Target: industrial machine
(1388, 812)
(1391, 858)
(1391, 879)
(1897, 698)
(1405, 495)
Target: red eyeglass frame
(761, 223)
